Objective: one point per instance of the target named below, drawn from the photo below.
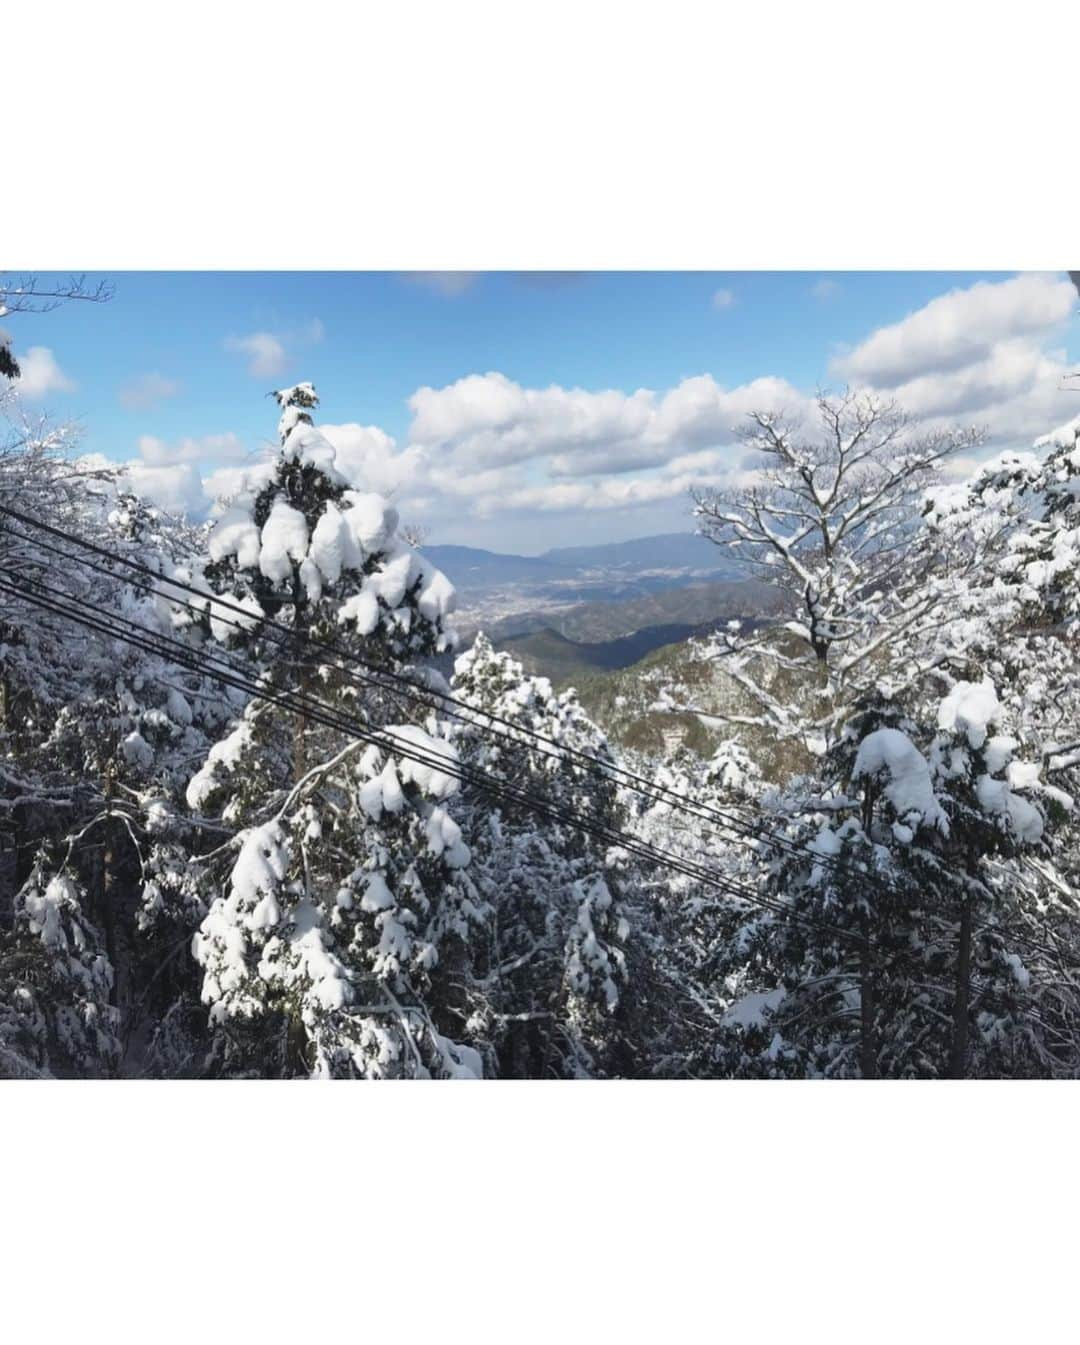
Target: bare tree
(833, 523)
(31, 294)
(415, 534)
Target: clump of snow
(444, 838)
(371, 520)
(299, 956)
(391, 579)
(436, 597)
(223, 756)
(44, 909)
(137, 751)
(995, 796)
(1019, 971)
(436, 783)
(362, 610)
(310, 447)
(890, 753)
(238, 614)
(377, 896)
(235, 534)
(333, 546)
(970, 708)
(284, 539)
(1063, 437)
(177, 705)
(458, 1061)
(753, 1010)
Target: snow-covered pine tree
(1024, 606)
(56, 1015)
(95, 731)
(891, 955)
(686, 923)
(332, 935)
(549, 995)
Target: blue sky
(172, 373)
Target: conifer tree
(550, 988)
(329, 942)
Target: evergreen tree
(329, 946)
(550, 991)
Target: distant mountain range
(668, 551)
(675, 556)
(582, 610)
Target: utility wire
(438, 702)
(134, 633)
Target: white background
(482, 136)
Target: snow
(362, 609)
(996, 797)
(310, 447)
(300, 957)
(226, 621)
(910, 790)
(258, 874)
(333, 546)
(44, 909)
(328, 982)
(224, 754)
(137, 751)
(458, 1061)
(284, 539)
(371, 520)
(1019, 971)
(998, 754)
(436, 597)
(1063, 437)
(235, 534)
(752, 1010)
(435, 783)
(444, 838)
(391, 580)
(311, 578)
(177, 705)
(377, 896)
(969, 708)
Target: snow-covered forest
(263, 816)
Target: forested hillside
(250, 829)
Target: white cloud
(487, 420)
(959, 328)
(370, 456)
(266, 354)
(39, 374)
(147, 390)
(980, 355)
(825, 289)
(488, 458)
(723, 299)
(179, 488)
(270, 353)
(211, 448)
(448, 284)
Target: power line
(442, 702)
(315, 709)
(134, 633)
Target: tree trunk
(300, 635)
(867, 1034)
(962, 1004)
(108, 884)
